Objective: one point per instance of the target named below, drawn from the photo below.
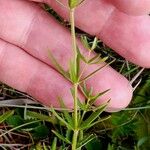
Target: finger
(133, 7)
(27, 74)
(127, 35)
(30, 28)
(40, 32)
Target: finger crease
(29, 29)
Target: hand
(27, 32)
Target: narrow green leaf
(54, 144)
(85, 141)
(61, 119)
(58, 66)
(131, 70)
(94, 98)
(85, 42)
(18, 127)
(67, 116)
(83, 89)
(92, 117)
(69, 134)
(90, 91)
(94, 144)
(94, 59)
(96, 122)
(94, 45)
(78, 64)
(81, 105)
(103, 59)
(6, 115)
(45, 147)
(81, 56)
(100, 60)
(73, 72)
(87, 92)
(41, 117)
(94, 72)
(98, 107)
(72, 92)
(61, 137)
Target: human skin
(131, 7)
(30, 32)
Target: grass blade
(54, 144)
(6, 115)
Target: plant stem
(74, 140)
(74, 47)
(75, 106)
(75, 85)
(73, 35)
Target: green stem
(76, 106)
(76, 131)
(75, 85)
(74, 140)
(73, 35)
(74, 47)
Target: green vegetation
(32, 126)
